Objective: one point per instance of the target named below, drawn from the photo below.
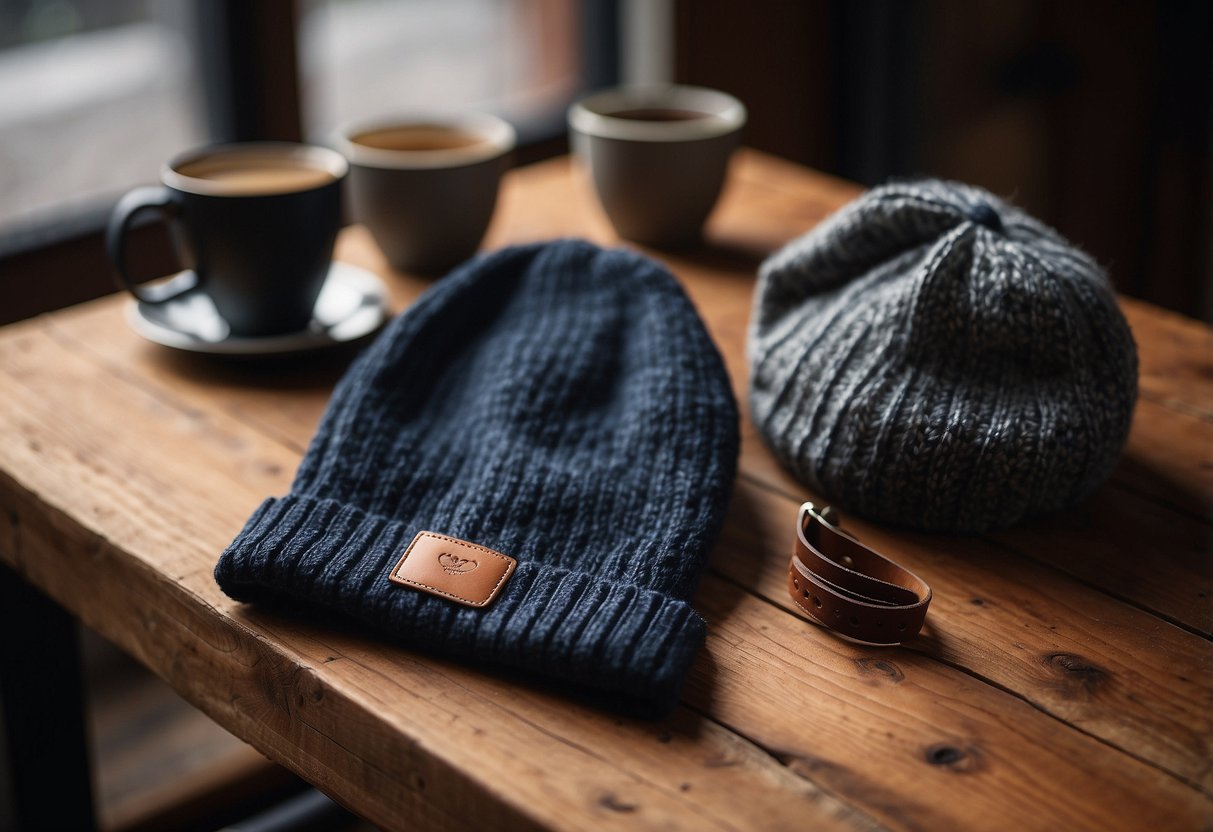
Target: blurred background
(1094, 116)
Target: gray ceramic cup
(426, 186)
(657, 156)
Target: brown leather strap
(844, 585)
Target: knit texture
(559, 403)
(935, 358)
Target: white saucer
(352, 303)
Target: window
(93, 97)
(365, 58)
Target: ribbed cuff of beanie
(567, 625)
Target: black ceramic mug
(256, 223)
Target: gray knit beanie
(935, 358)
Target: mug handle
(148, 198)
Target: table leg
(45, 780)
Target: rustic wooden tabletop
(1064, 680)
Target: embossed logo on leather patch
(454, 565)
(452, 568)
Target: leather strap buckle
(850, 588)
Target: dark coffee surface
(418, 137)
(660, 114)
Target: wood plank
(288, 402)
(1176, 355)
(915, 743)
(1138, 550)
(161, 763)
(1116, 673)
(1121, 532)
(308, 693)
(1169, 458)
(1157, 715)
(136, 503)
(176, 452)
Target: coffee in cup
(255, 174)
(417, 137)
(659, 114)
(258, 222)
(657, 157)
(426, 186)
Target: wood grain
(289, 698)
(1006, 646)
(1169, 458)
(1065, 660)
(159, 762)
(1174, 369)
(431, 737)
(1085, 659)
(896, 733)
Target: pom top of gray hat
(932, 357)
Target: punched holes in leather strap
(849, 588)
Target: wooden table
(1065, 679)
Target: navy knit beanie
(560, 405)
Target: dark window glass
(94, 95)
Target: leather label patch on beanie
(453, 568)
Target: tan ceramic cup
(657, 156)
(426, 186)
